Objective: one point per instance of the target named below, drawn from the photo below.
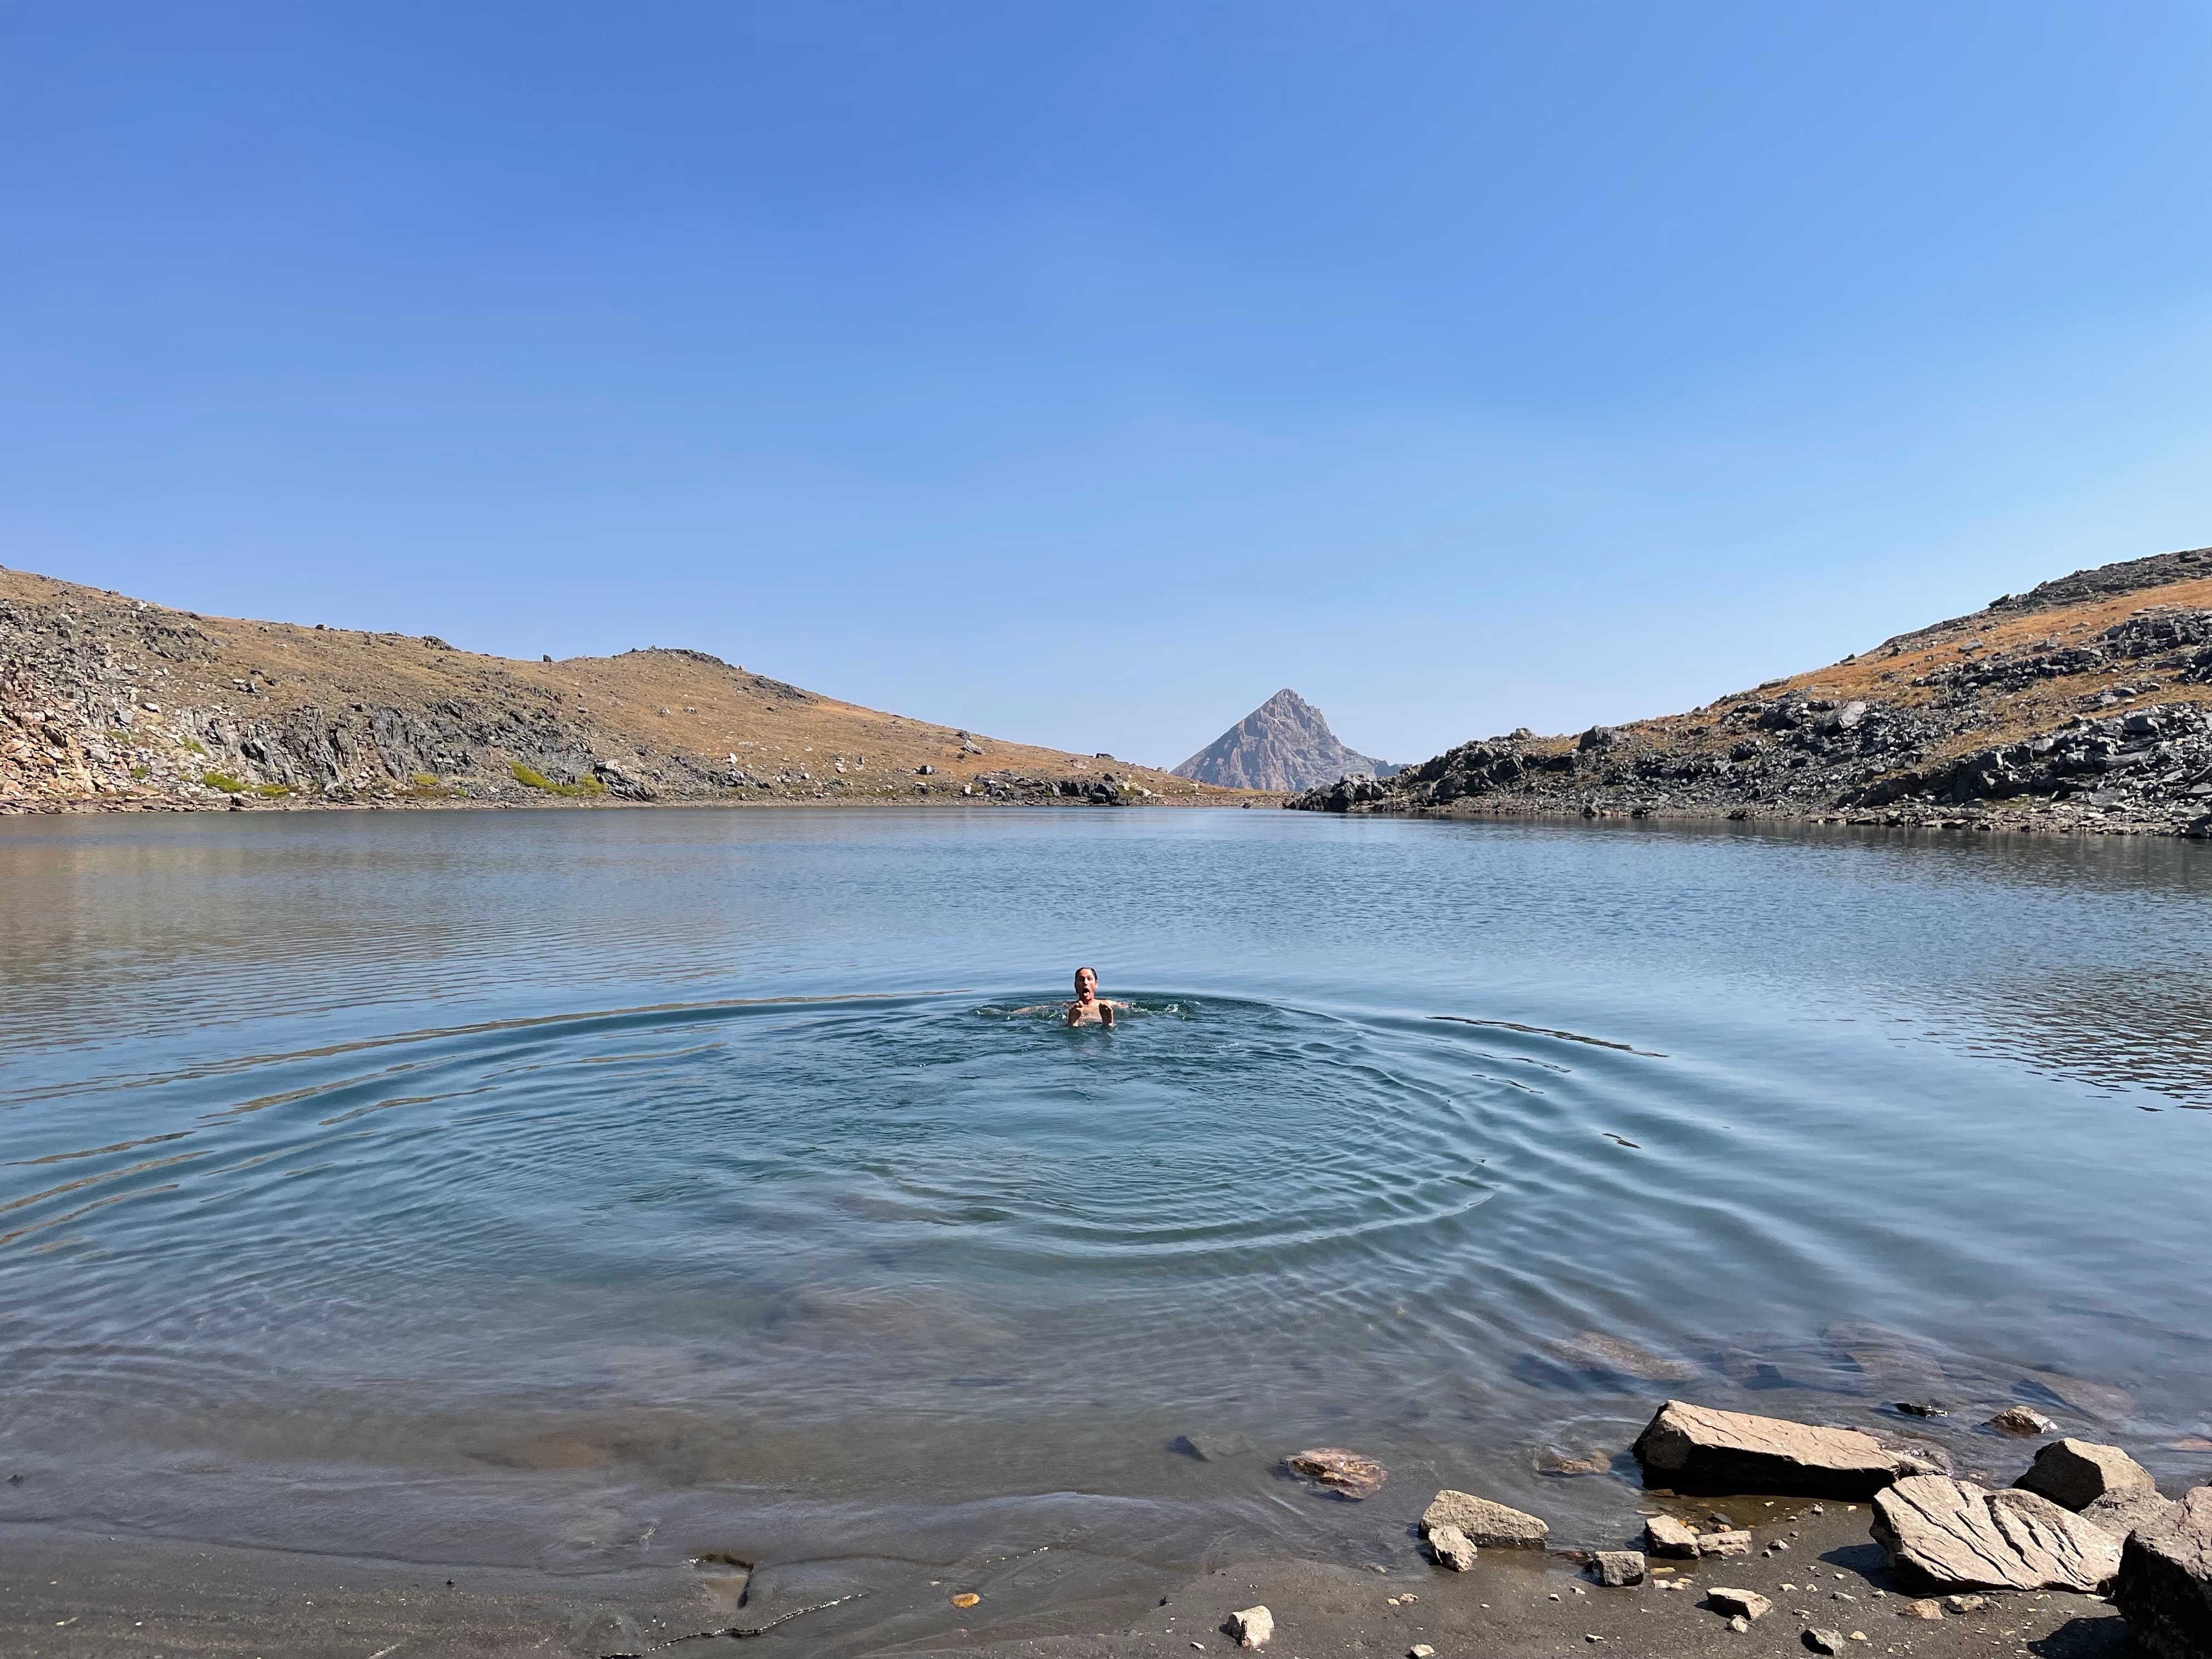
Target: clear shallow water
(583, 1190)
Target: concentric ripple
(712, 1200)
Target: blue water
(581, 1189)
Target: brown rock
(1698, 1448)
(2164, 1589)
(2132, 1510)
(1952, 1535)
(1484, 1522)
(1612, 1356)
(2019, 1420)
(1620, 1567)
(1664, 1535)
(1727, 1542)
(1738, 1603)
(1824, 1641)
(2074, 1474)
(1452, 1547)
(1345, 1472)
(1966, 1603)
(2090, 1398)
(1921, 1610)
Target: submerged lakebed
(590, 1192)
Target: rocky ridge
(1283, 744)
(107, 701)
(2083, 704)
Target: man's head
(1086, 982)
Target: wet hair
(1093, 972)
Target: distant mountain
(1283, 744)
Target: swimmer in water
(1089, 1008)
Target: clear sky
(1083, 372)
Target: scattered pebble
(966, 1598)
(1738, 1624)
(1419, 1650)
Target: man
(1088, 1009)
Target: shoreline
(75, 1597)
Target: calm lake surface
(581, 1190)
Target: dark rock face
(2165, 1587)
(1283, 744)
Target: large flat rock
(1484, 1522)
(2165, 1590)
(1952, 1534)
(1699, 1449)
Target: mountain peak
(1283, 744)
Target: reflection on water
(568, 1187)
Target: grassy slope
(714, 711)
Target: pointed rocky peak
(1283, 744)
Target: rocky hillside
(108, 700)
(2084, 704)
(1283, 744)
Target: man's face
(1086, 982)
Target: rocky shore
(2085, 706)
(110, 703)
(1758, 1535)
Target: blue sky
(1083, 374)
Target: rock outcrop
(1698, 1448)
(2165, 1587)
(1951, 1534)
(2084, 705)
(1283, 744)
(2076, 1473)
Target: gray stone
(2074, 1474)
(1451, 1547)
(1253, 1627)
(1738, 1603)
(1824, 1641)
(2130, 1511)
(1484, 1522)
(1620, 1567)
(1952, 1534)
(1664, 1535)
(2164, 1589)
(1729, 1541)
(1698, 1449)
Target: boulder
(1252, 1627)
(2130, 1511)
(1952, 1535)
(1452, 1547)
(1698, 1448)
(1483, 1522)
(1344, 1472)
(1620, 1567)
(1738, 1603)
(1664, 1535)
(2165, 1590)
(2074, 1474)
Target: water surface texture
(580, 1190)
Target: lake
(580, 1191)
